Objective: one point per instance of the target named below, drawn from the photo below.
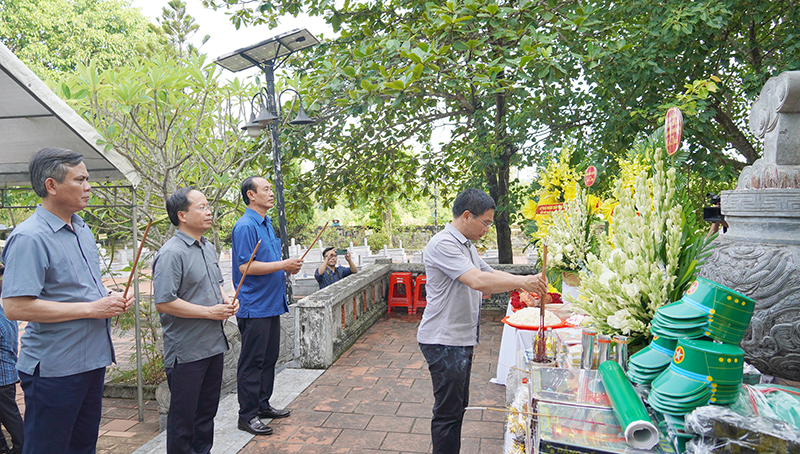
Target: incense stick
(540, 341)
(241, 281)
(135, 264)
(246, 269)
(315, 240)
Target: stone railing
(331, 320)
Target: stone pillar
(759, 256)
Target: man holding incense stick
(53, 281)
(450, 327)
(263, 299)
(188, 293)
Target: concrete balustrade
(330, 320)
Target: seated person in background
(328, 272)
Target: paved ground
(376, 398)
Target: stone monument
(759, 255)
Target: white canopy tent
(32, 117)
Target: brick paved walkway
(377, 398)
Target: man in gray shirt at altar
(450, 328)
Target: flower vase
(570, 283)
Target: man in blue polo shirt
(263, 301)
(53, 281)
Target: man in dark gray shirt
(53, 281)
(187, 290)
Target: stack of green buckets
(695, 358)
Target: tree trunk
(387, 224)
(735, 135)
(498, 179)
(502, 221)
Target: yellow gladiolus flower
(529, 209)
(570, 191)
(607, 209)
(594, 203)
(549, 198)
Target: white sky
(224, 36)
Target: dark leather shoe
(254, 426)
(273, 413)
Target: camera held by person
(713, 214)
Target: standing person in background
(450, 327)
(9, 411)
(328, 272)
(263, 297)
(188, 293)
(52, 280)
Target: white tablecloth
(512, 345)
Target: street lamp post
(264, 55)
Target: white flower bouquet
(635, 274)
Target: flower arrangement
(631, 278)
(572, 222)
(654, 248)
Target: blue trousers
(194, 398)
(255, 378)
(450, 368)
(62, 414)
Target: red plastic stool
(400, 291)
(420, 299)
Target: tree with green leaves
(480, 71)
(53, 36)
(179, 26)
(511, 79)
(177, 125)
(710, 58)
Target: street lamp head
(301, 118)
(252, 127)
(265, 117)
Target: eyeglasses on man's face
(202, 208)
(488, 225)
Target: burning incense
(315, 241)
(540, 350)
(135, 263)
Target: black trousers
(450, 368)
(10, 418)
(62, 414)
(261, 345)
(195, 389)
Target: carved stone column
(759, 256)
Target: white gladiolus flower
(606, 277)
(631, 289)
(628, 281)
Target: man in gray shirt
(188, 293)
(53, 281)
(456, 279)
